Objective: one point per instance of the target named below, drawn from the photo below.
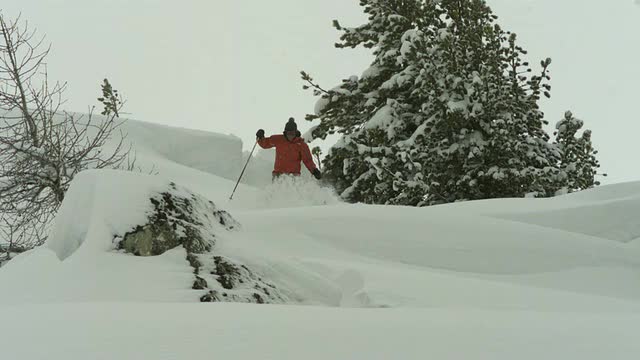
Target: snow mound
(98, 205)
(612, 207)
(108, 216)
(216, 154)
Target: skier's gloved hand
(316, 173)
(260, 134)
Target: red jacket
(288, 154)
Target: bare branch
(42, 148)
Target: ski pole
(245, 166)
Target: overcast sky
(232, 66)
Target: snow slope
(496, 279)
(131, 331)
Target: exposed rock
(199, 284)
(236, 282)
(195, 264)
(152, 239)
(211, 296)
(180, 218)
(228, 274)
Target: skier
(290, 150)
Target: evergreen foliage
(447, 111)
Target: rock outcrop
(181, 218)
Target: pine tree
(484, 137)
(578, 160)
(370, 111)
(447, 111)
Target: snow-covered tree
(369, 110)
(447, 111)
(578, 155)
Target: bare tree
(15, 238)
(41, 147)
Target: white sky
(233, 66)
